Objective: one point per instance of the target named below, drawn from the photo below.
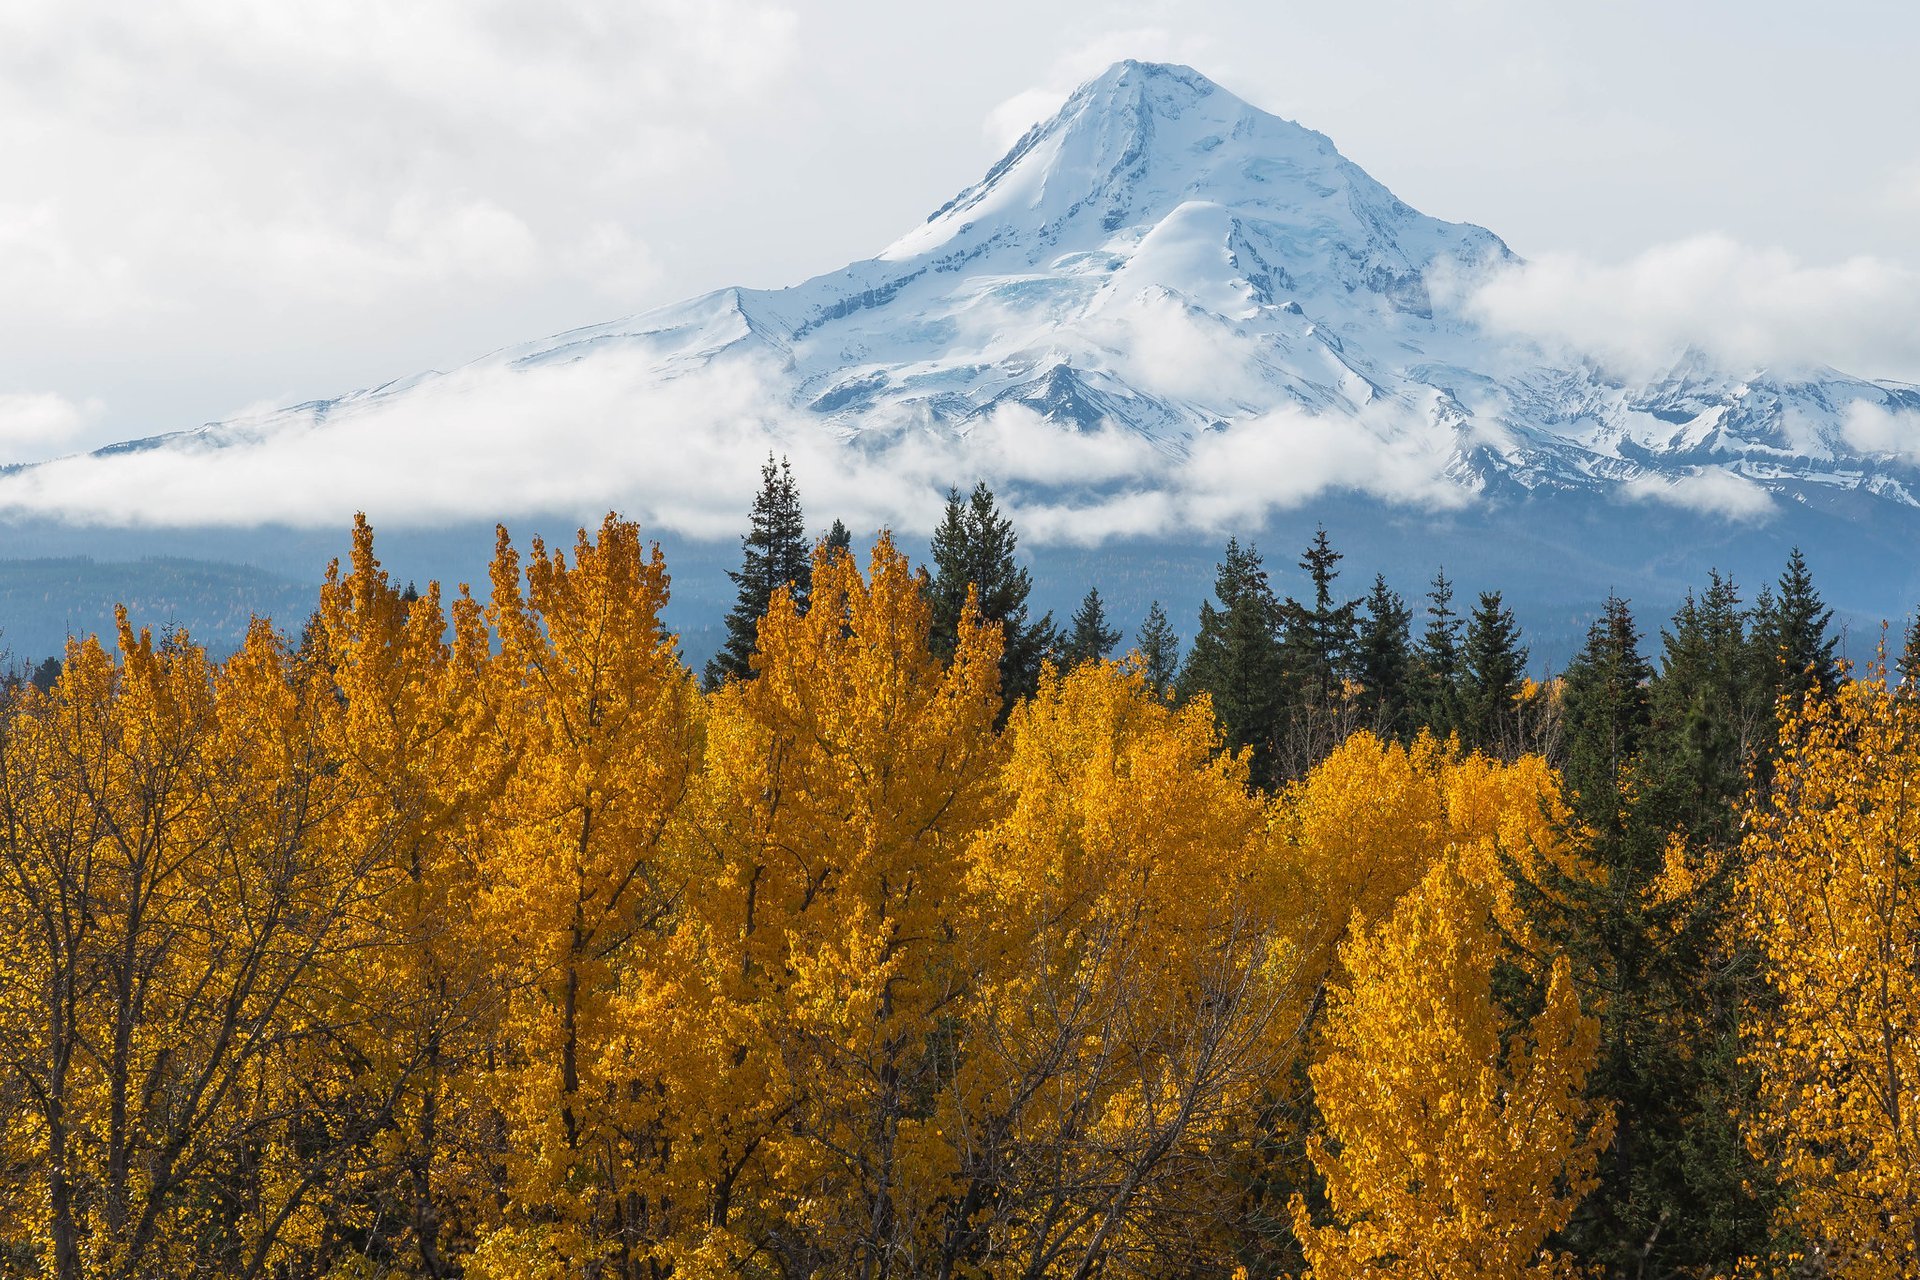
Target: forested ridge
(476, 935)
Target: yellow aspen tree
(844, 782)
(407, 732)
(1831, 903)
(582, 879)
(1451, 1145)
(1138, 993)
(177, 918)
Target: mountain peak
(1135, 145)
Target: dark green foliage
(46, 675)
(1159, 650)
(1319, 639)
(1493, 666)
(838, 542)
(1654, 759)
(1236, 657)
(773, 554)
(1607, 713)
(974, 547)
(1089, 638)
(1383, 662)
(1437, 689)
(1791, 628)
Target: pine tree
(1711, 710)
(773, 554)
(1159, 650)
(1649, 761)
(1089, 638)
(1439, 706)
(1236, 657)
(1908, 664)
(1606, 713)
(1383, 660)
(838, 542)
(1791, 629)
(1493, 666)
(1319, 638)
(974, 546)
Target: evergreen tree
(46, 675)
(1607, 714)
(1439, 658)
(774, 553)
(1236, 658)
(1710, 708)
(1319, 638)
(1908, 664)
(1679, 1192)
(1791, 628)
(1384, 662)
(1493, 667)
(1089, 638)
(839, 541)
(974, 547)
(1159, 650)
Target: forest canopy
(477, 935)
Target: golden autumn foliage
(1463, 1147)
(1832, 904)
(468, 937)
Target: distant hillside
(44, 601)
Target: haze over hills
(1164, 314)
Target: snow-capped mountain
(1164, 258)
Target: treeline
(474, 937)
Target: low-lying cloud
(683, 455)
(1746, 307)
(1709, 490)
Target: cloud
(179, 157)
(1709, 490)
(1747, 307)
(682, 454)
(37, 422)
(1873, 428)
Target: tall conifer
(974, 546)
(774, 553)
(1159, 650)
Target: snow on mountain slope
(1163, 260)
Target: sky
(210, 207)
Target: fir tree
(1320, 637)
(1493, 664)
(1159, 650)
(1607, 715)
(46, 675)
(1383, 660)
(1236, 658)
(774, 553)
(1439, 660)
(1908, 664)
(838, 542)
(1710, 711)
(974, 547)
(1792, 630)
(1089, 638)
(1650, 761)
